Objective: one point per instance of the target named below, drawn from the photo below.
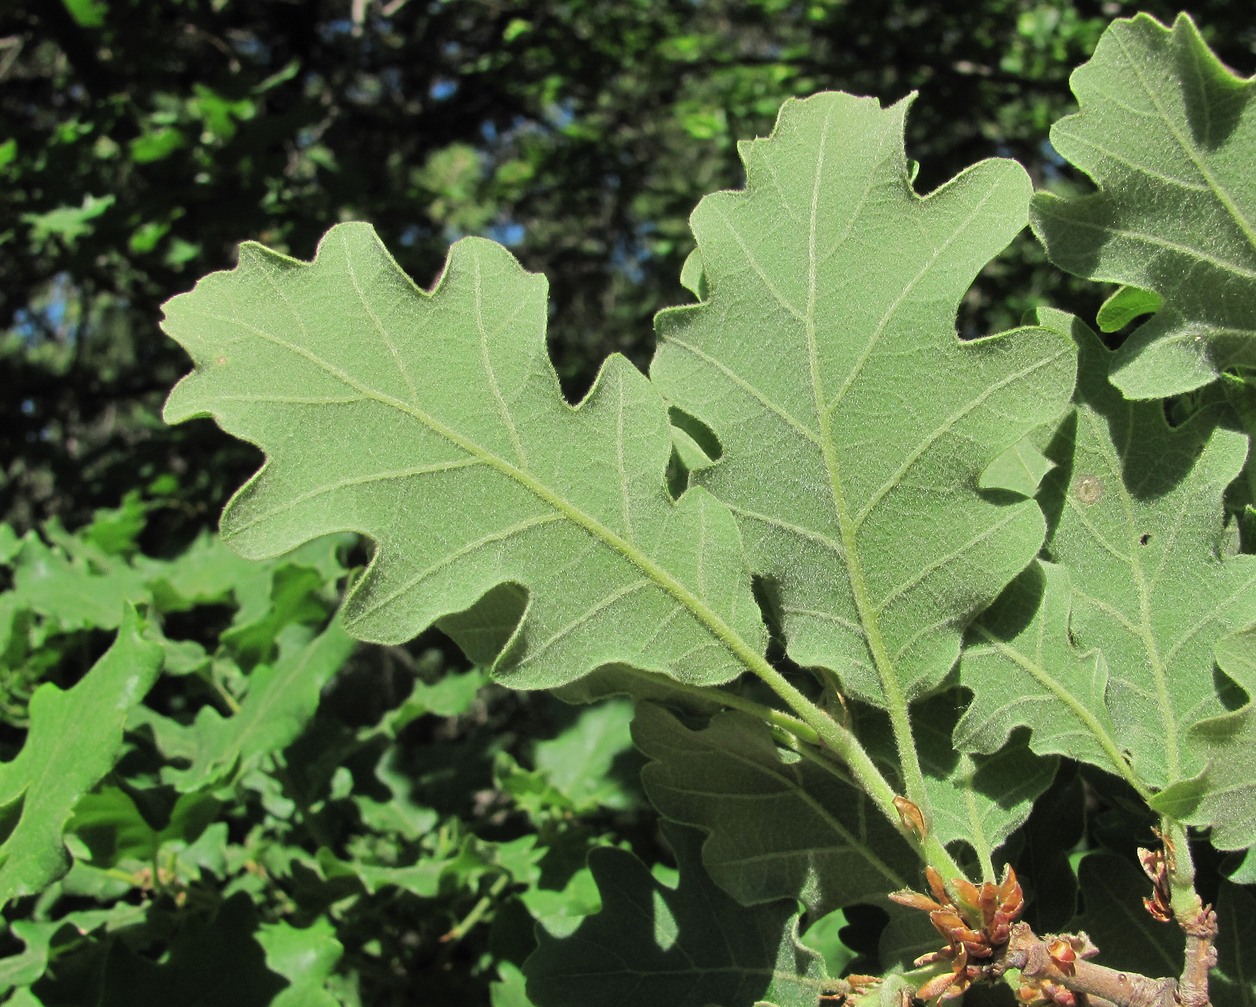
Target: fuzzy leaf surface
(976, 800)
(1139, 528)
(1223, 796)
(1168, 134)
(434, 423)
(1024, 671)
(780, 825)
(831, 292)
(981, 799)
(690, 946)
(74, 739)
(1019, 469)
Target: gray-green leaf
(854, 424)
(1139, 529)
(1167, 132)
(1023, 670)
(434, 423)
(1223, 796)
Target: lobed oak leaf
(830, 292)
(434, 424)
(1165, 130)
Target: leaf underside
(1223, 796)
(1105, 650)
(1023, 669)
(977, 800)
(434, 424)
(1140, 530)
(831, 290)
(1166, 132)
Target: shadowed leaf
(780, 825)
(685, 947)
(1166, 132)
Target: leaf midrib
(868, 620)
(848, 523)
(664, 581)
(1242, 272)
(1081, 714)
(1111, 455)
(1187, 148)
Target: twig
(1032, 955)
(1201, 957)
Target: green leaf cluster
(199, 804)
(866, 592)
(971, 556)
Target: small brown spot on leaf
(1088, 489)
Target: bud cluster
(976, 923)
(1156, 866)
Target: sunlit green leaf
(281, 699)
(832, 290)
(434, 423)
(1019, 469)
(1166, 132)
(574, 771)
(28, 965)
(10, 544)
(69, 223)
(74, 591)
(88, 13)
(74, 739)
(1126, 305)
(305, 956)
(109, 821)
(449, 696)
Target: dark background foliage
(142, 140)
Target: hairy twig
(1201, 957)
(1034, 956)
